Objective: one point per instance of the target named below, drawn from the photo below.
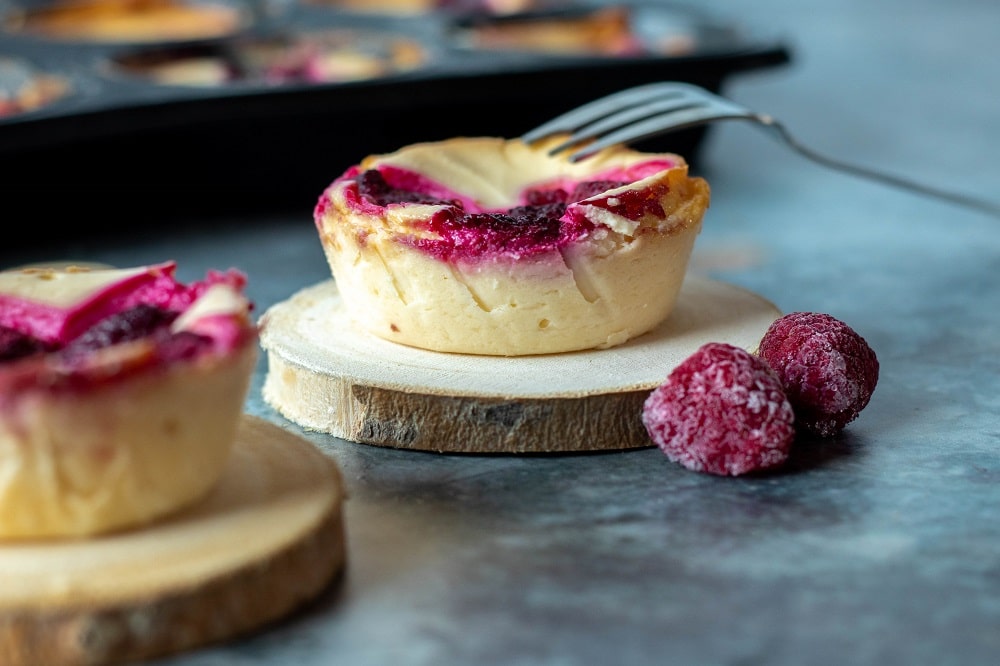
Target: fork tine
(597, 109)
(624, 118)
(659, 108)
(661, 124)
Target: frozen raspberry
(827, 369)
(721, 411)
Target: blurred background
(183, 108)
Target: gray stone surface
(881, 546)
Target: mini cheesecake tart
(120, 394)
(485, 245)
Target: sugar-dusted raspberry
(721, 411)
(827, 369)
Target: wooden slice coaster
(266, 540)
(327, 375)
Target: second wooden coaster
(267, 539)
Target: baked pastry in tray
(120, 394)
(122, 21)
(485, 245)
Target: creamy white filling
(219, 299)
(604, 217)
(62, 288)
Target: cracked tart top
(485, 245)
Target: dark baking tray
(120, 150)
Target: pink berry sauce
(54, 347)
(543, 219)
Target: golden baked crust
(616, 276)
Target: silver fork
(659, 108)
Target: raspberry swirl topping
(546, 216)
(74, 327)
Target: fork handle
(782, 132)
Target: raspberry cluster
(727, 411)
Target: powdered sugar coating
(721, 411)
(828, 370)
